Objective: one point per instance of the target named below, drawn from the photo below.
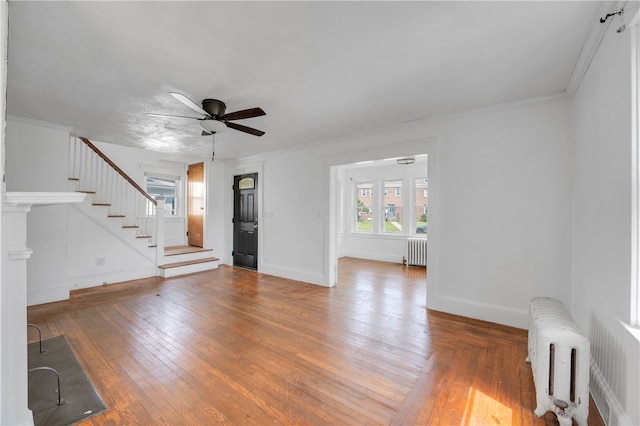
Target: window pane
(165, 186)
(393, 206)
(422, 203)
(363, 207)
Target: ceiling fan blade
(153, 114)
(205, 133)
(245, 129)
(245, 113)
(188, 102)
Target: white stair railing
(95, 174)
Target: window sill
(389, 236)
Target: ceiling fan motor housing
(214, 107)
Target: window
(422, 203)
(363, 207)
(167, 186)
(393, 206)
(388, 202)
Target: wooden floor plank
(234, 346)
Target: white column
(13, 369)
(159, 232)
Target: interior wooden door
(195, 204)
(245, 221)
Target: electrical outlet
(99, 261)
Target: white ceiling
(320, 70)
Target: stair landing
(188, 259)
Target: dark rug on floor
(80, 399)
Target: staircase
(116, 197)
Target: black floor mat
(76, 390)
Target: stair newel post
(139, 214)
(97, 197)
(102, 197)
(90, 169)
(159, 230)
(82, 167)
(76, 157)
(131, 207)
(112, 200)
(85, 175)
(72, 149)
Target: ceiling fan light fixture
(213, 126)
(406, 160)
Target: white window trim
(180, 197)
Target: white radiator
(417, 251)
(559, 356)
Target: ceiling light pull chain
(213, 146)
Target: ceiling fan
(215, 119)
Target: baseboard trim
(373, 256)
(47, 295)
(95, 280)
(506, 315)
(294, 274)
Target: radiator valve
(563, 412)
(404, 261)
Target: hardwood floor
(232, 346)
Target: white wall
(602, 226)
(500, 210)
(505, 211)
(47, 226)
(215, 219)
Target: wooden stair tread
(178, 250)
(116, 215)
(74, 179)
(130, 226)
(188, 262)
(87, 192)
(101, 204)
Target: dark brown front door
(195, 204)
(245, 221)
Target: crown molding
(39, 123)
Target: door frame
(256, 213)
(235, 169)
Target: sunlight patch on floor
(481, 409)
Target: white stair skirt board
(181, 268)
